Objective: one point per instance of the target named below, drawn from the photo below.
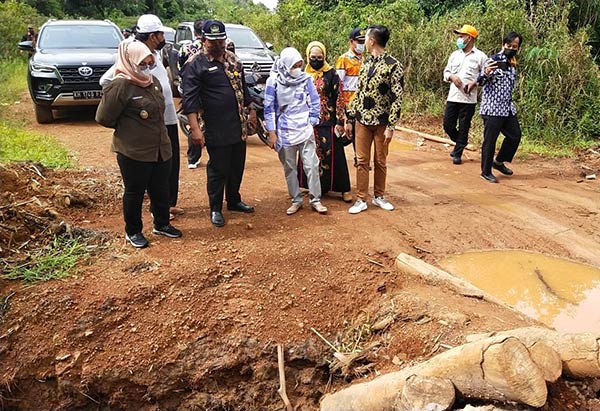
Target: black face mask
(510, 53)
(216, 50)
(161, 45)
(317, 64)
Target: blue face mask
(460, 43)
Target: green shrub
(15, 17)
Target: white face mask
(146, 71)
(360, 48)
(296, 72)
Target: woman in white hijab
(292, 109)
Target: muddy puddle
(560, 293)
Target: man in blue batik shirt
(498, 110)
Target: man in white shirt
(462, 70)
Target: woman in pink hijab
(133, 105)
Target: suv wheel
(43, 114)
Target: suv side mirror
(26, 45)
(269, 46)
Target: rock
(450, 317)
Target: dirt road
(192, 323)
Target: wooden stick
(37, 171)
(416, 247)
(282, 392)
(437, 139)
(324, 339)
(427, 271)
(15, 205)
(375, 262)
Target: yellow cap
(467, 29)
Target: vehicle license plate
(87, 94)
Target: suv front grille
(71, 74)
(265, 66)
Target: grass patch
(13, 81)
(18, 144)
(55, 261)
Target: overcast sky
(269, 3)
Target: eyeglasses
(316, 58)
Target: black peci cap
(357, 34)
(214, 30)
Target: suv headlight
(42, 68)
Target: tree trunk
(497, 368)
(580, 353)
(431, 393)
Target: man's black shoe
(502, 168)
(489, 177)
(456, 160)
(241, 207)
(216, 218)
(137, 240)
(167, 230)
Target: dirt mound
(37, 204)
(192, 323)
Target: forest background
(558, 95)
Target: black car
(68, 60)
(257, 56)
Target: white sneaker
(359, 206)
(383, 203)
(194, 165)
(319, 208)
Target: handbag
(343, 138)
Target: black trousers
(492, 127)
(174, 176)
(224, 171)
(461, 114)
(139, 177)
(194, 151)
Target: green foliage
(55, 261)
(15, 17)
(13, 80)
(558, 95)
(585, 14)
(16, 143)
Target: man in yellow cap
(462, 70)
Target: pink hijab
(130, 55)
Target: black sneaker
(137, 240)
(168, 231)
(489, 177)
(502, 168)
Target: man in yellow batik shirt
(348, 67)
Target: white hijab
(286, 84)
